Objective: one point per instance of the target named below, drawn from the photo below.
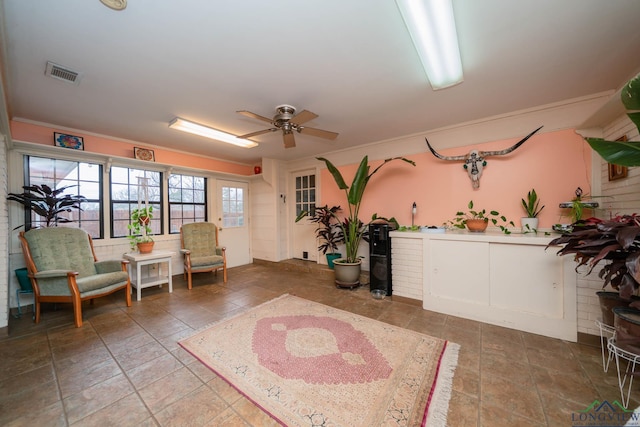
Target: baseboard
(588, 339)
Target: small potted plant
(477, 220)
(140, 232)
(329, 232)
(532, 207)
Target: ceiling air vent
(61, 73)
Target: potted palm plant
(348, 268)
(532, 207)
(329, 233)
(140, 232)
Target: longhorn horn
(440, 156)
(508, 150)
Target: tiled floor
(125, 368)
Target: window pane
(64, 173)
(187, 195)
(125, 189)
(306, 194)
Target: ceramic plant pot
(529, 224)
(331, 258)
(609, 301)
(477, 225)
(145, 248)
(347, 273)
(627, 325)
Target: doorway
(233, 221)
(304, 243)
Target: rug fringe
(439, 407)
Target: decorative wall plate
(144, 154)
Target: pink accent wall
(44, 135)
(553, 163)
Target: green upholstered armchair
(199, 243)
(63, 267)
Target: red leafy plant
(616, 241)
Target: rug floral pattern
(307, 364)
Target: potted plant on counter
(532, 207)
(140, 232)
(348, 268)
(477, 220)
(329, 233)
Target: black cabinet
(380, 257)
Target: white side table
(155, 257)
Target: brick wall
(4, 234)
(407, 267)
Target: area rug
(308, 364)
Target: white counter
(505, 280)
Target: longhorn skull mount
(474, 161)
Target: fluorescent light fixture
(433, 31)
(207, 132)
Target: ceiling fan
(288, 121)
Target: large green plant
(618, 152)
(47, 202)
(353, 228)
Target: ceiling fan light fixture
(208, 132)
(432, 27)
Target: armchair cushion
(59, 248)
(206, 261)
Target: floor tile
(124, 367)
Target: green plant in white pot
(353, 228)
(532, 207)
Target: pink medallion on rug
(318, 350)
(307, 364)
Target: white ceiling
(349, 61)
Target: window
(125, 188)
(85, 179)
(187, 200)
(306, 194)
(232, 207)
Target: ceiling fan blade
(318, 132)
(289, 140)
(303, 117)
(254, 116)
(260, 132)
